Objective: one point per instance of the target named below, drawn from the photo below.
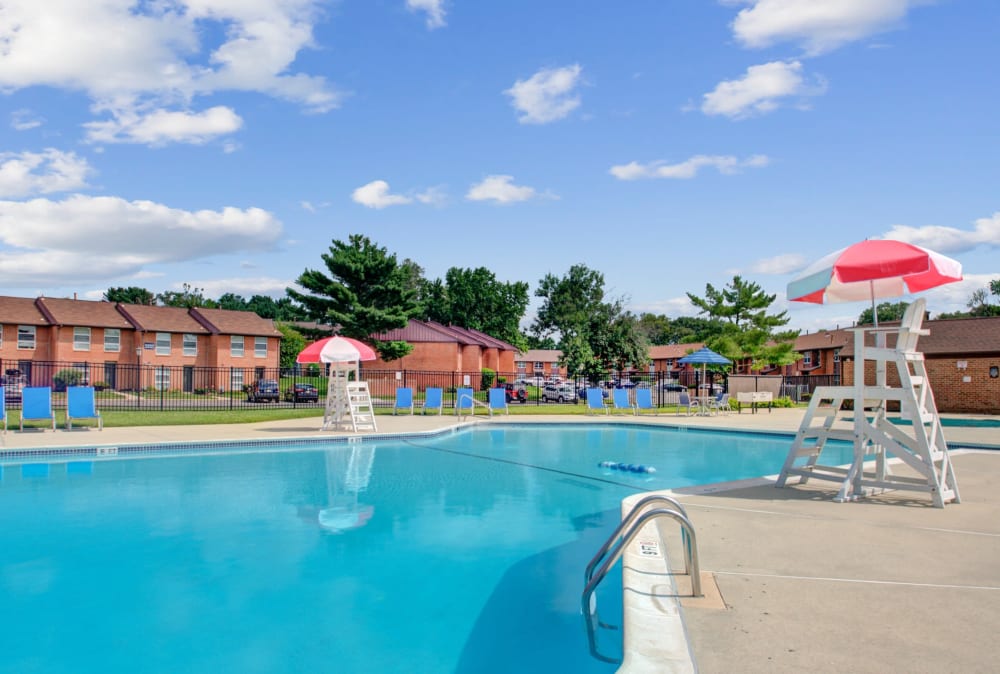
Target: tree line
(363, 289)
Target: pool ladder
(614, 547)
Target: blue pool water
(461, 552)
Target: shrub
(488, 376)
(67, 377)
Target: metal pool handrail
(627, 520)
(590, 611)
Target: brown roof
(540, 355)
(82, 313)
(952, 336)
(21, 310)
(668, 351)
(162, 319)
(228, 322)
(430, 331)
(824, 339)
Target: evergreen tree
(130, 295)
(367, 292)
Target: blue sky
(226, 143)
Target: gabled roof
(824, 339)
(21, 311)
(951, 336)
(540, 355)
(162, 319)
(668, 351)
(82, 313)
(229, 322)
(430, 331)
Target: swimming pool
(459, 552)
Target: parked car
(515, 393)
(672, 387)
(301, 393)
(581, 392)
(560, 393)
(262, 391)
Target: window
(807, 358)
(521, 366)
(260, 347)
(161, 377)
(836, 355)
(112, 340)
(81, 339)
(236, 346)
(163, 344)
(190, 345)
(26, 337)
(236, 378)
(538, 365)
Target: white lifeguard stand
(920, 445)
(348, 401)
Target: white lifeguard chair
(348, 401)
(921, 445)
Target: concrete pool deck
(888, 583)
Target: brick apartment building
(124, 346)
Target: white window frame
(807, 358)
(836, 355)
(161, 348)
(260, 347)
(236, 346)
(26, 337)
(237, 378)
(81, 339)
(112, 340)
(161, 378)
(190, 344)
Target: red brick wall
(430, 356)
(980, 394)
(10, 353)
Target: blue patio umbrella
(704, 356)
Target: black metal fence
(122, 386)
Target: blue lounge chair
(685, 403)
(464, 401)
(620, 399)
(81, 404)
(595, 401)
(644, 401)
(36, 405)
(404, 400)
(498, 401)
(433, 400)
(3, 407)
(720, 403)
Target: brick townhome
(962, 356)
(100, 337)
(539, 363)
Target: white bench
(755, 398)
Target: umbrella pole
(871, 286)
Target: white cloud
(725, 164)
(307, 206)
(52, 243)
(759, 90)
(163, 52)
(547, 95)
(162, 126)
(24, 120)
(247, 287)
(432, 196)
(818, 25)
(376, 195)
(30, 173)
(433, 8)
(950, 239)
(500, 189)
(779, 264)
(672, 307)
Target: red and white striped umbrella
(873, 269)
(336, 350)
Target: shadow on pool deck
(888, 583)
